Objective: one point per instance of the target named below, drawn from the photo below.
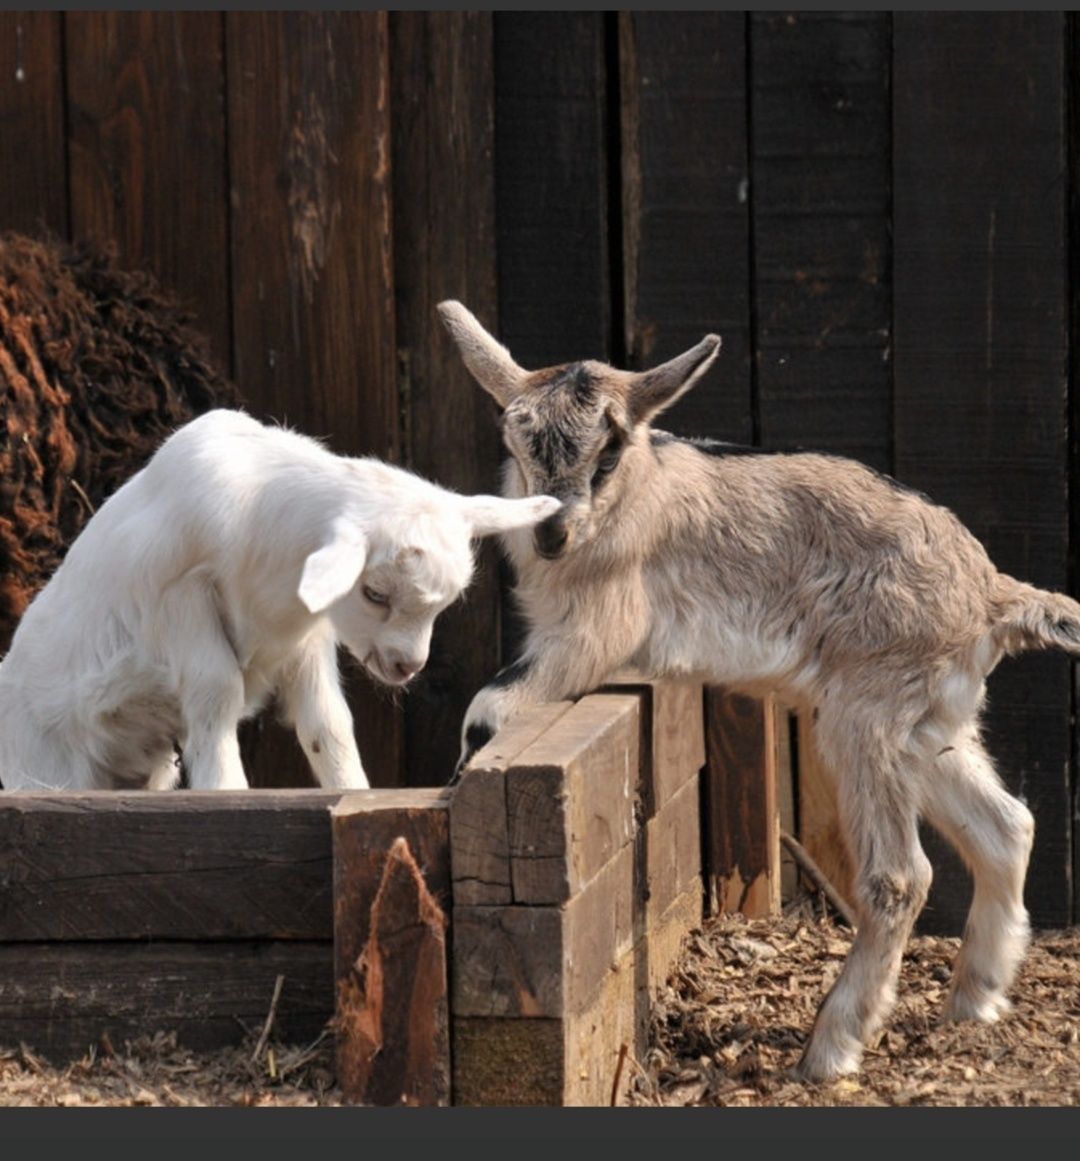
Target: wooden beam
(61, 998)
(480, 843)
(570, 798)
(189, 865)
(819, 824)
(391, 902)
(741, 819)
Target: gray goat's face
(566, 431)
(567, 427)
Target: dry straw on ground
(725, 1031)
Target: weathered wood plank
(819, 824)
(479, 840)
(442, 98)
(313, 310)
(980, 363)
(672, 734)
(741, 812)
(685, 207)
(531, 961)
(570, 798)
(673, 851)
(33, 159)
(821, 204)
(573, 1060)
(187, 865)
(391, 901)
(551, 175)
(61, 998)
(146, 93)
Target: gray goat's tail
(1031, 618)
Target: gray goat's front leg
(549, 669)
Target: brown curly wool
(97, 366)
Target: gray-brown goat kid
(856, 598)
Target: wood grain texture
(570, 798)
(819, 821)
(391, 900)
(741, 809)
(980, 364)
(672, 734)
(442, 102)
(479, 838)
(551, 175)
(822, 250)
(673, 851)
(61, 998)
(146, 106)
(313, 310)
(685, 205)
(535, 961)
(210, 866)
(33, 160)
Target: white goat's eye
(375, 597)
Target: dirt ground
(733, 1019)
(725, 1031)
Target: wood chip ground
(725, 1030)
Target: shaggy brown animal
(97, 366)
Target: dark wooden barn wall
(871, 209)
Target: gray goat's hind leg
(993, 831)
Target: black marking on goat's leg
(477, 736)
(511, 674)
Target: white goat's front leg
(210, 686)
(316, 709)
(564, 663)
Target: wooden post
(819, 826)
(391, 898)
(741, 812)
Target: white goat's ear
(487, 515)
(488, 360)
(332, 570)
(652, 391)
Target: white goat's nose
(407, 669)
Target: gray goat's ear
(488, 360)
(651, 391)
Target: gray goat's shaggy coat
(856, 598)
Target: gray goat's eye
(608, 461)
(375, 597)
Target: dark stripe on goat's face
(556, 418)
(511, 674)
(553, 449)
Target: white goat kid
(225, 571)
(862, 601)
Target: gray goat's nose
(550, 536)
